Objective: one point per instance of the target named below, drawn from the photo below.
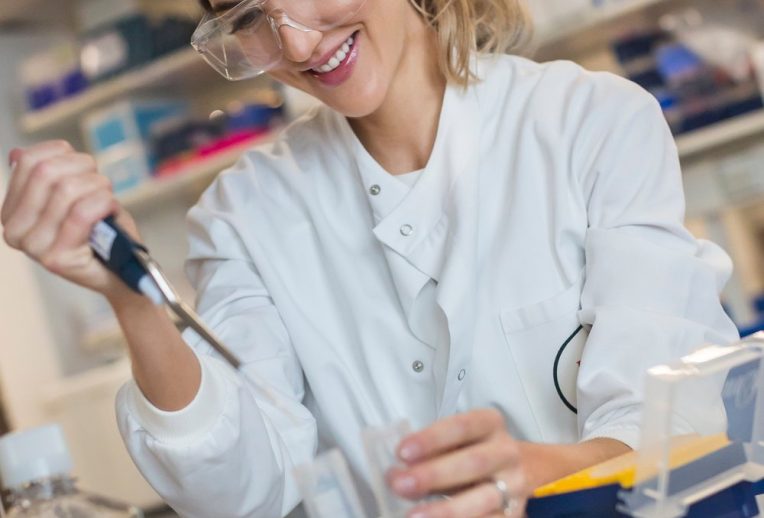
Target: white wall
(27, 349)
(39, 350)
(27, 345)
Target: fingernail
(13, 166)
(409, 452)
(419, 514)
(404, 485)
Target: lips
(338, 67)
(337, 58)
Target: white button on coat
(548, 226)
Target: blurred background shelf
(587, 20)
(176, 71)
(580, 33)
(36, 11)
(192, 179)
(706, 140)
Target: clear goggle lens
(246, 41)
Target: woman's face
(373, 42)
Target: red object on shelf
(231, 140)
(178, 164)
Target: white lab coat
(552, 201)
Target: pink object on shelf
(231, 140)
(178, 164)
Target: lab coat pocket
(546, 341)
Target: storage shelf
(592, 18)
(579, 35)
(34, 11)
(721, 134)
(202, 173)
(179, 69)
(192, 178)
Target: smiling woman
(466, 26)
(497, 261)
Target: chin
(360, 96)
(362, 100)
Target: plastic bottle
(35, 467)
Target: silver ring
(509, 504)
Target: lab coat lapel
(435, 229)
(458, 274)
(431, 233)
(385, 193)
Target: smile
(338, 58)
(337, 69)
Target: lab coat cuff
(626, 433)
(196, 419)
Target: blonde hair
(468, 26)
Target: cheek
(294, 79)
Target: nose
(298, 45)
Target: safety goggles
(246, 40)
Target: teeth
(338, 57)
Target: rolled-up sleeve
(230, 452)
(652, 290)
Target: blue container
(119, 137)
(738, 501)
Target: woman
(462, 238)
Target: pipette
(131, 262)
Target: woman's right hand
(55, 197)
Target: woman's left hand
(469, 457)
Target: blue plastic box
(119, 137)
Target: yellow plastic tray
(622, 470)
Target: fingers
(450, 433)
(24, 162)
(459, 468)
(65, 194)
(55, 198)
(46, 180)
(457, 456)
(82, 217)
(482, 500)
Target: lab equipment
(327, 488)
(381, 444)
(137, 269)
(622, 470)
(176, 144)
(245, 41)
(114, 248)
(713, 468)
(728, 378)
(119, 35)
(35, 466)
(52, 75)
(119, 136)
(116, 37)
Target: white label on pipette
(102, 238)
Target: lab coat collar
(422, 208)
(434, 225)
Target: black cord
(554, 372)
